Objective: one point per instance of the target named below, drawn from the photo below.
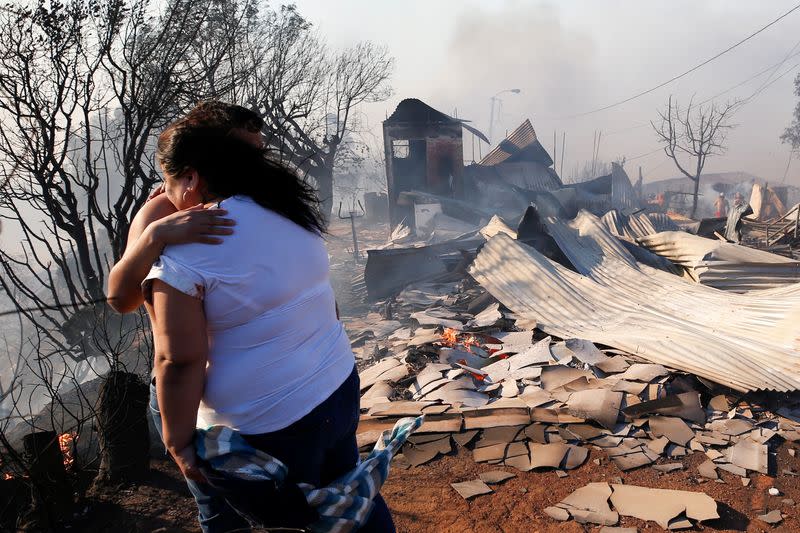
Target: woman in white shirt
(246, 332)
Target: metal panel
(745, 341)
(522, 138)
(724, 265)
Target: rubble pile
(532, 364)
(533, 403)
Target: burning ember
(66, 441)
(7, 476)
(470, 342)
(451, 338)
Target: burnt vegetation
(85, 86)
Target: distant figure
(721, 205)
(738, 199)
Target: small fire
(66, 441)
(452, 337)
(449, 337)
(475, 343)
(7, 476)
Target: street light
(494, 99)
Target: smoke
(520, 47)
(575, 56)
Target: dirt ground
(422, 500)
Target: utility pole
(491, 119)
(492, 101)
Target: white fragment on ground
(471, 489)
(772, 517)
(661, 505)
(494, 477)
(588, 505)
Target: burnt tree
(309, 95)
(689, 136)
(792, 134)
(85, 86)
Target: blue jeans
(317, 449)
(214, 513)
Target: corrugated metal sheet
(528, 175)
(637, 225)
(662, 222)
(745, 341)
(623, 196)
(722, 264)
(522, 138)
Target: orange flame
(449, 337)
(7, 476)
(66, 441)
(471, 340)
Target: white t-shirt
(276, 348)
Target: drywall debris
(773, 517)
(471, 489)
(494, 477)
(662, 506)
(589, 504)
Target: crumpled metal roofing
(637, 225)
(745, 341)
(529, 175)
(722, 264)
(524, 137)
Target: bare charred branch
(690, 135)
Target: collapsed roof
(521, 145)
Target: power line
(634, 158)
(696, 67)
(751, 78)
(766, 84)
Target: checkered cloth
(343, 506)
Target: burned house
(424, 154)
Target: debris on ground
(611, 339)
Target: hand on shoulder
(197, 224)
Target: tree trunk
(52, 493)
(122, 428)
(694, 196)
(325, 191)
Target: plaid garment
(342, 506)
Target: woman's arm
(154, 226)
(180, 366)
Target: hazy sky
(573, 56)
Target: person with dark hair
(246, 333)
(158, 224)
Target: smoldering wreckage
(532, 321)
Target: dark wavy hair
(204, 140)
